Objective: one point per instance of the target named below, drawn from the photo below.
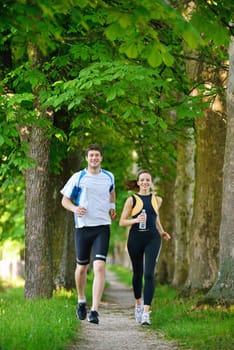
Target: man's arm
(112, 210)
(68, 204)
(112, 197)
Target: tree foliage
(91, 76)
(111, 66)
(111, 72)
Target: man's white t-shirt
(96, 189)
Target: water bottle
(142, 225)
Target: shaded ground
(117, 328)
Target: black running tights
(144, 252)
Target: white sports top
(97, 189)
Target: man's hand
(80, 211)
(113, 214)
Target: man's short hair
(94, 147)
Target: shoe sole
(93, 321)
(93, 317)
(82, 318)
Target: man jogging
(90, 195)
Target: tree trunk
(62, 228)
(38, 252)
(184, 184)
(204, 242)
(38, 257)
(183, 199)
(165, 268)
(210, 140)
(223, 289)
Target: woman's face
(144, 181)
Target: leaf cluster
(112, 72)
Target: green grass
(123, 274)
(51, 324)
(45, 324)
(33, 325)
(200, 328)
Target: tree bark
(38, 249)
(183, 199)
(166, 265)
(204, 239)
(62, 227)
(223, 289)
(210, 140)
(38, 257)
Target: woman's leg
(152, 251)
(136, 254)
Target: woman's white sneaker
(138, 313)
(145, 319)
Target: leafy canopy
(113, 71)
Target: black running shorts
(88, 238)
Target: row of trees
(142, 78)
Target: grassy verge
(52, 325)
(40, 324)
(200, 328)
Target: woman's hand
(165, 236)
(140, 218)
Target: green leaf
(87, 85)
(111, 95)
(1, 140)
(130, 50)
(154, 58)
(114, 31)
(168, 59)
(162, 124)
(75, 103)
(125, 21)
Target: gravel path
(117, 329)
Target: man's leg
(100, 249)
(99, 269)
(80, 278)
(83, 247)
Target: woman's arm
(163, 233)
(126, 212)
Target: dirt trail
(117, 329)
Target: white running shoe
(138, 313)
(145, 319)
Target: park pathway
(117, 329)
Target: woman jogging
(144, 242)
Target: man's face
(94, 158)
